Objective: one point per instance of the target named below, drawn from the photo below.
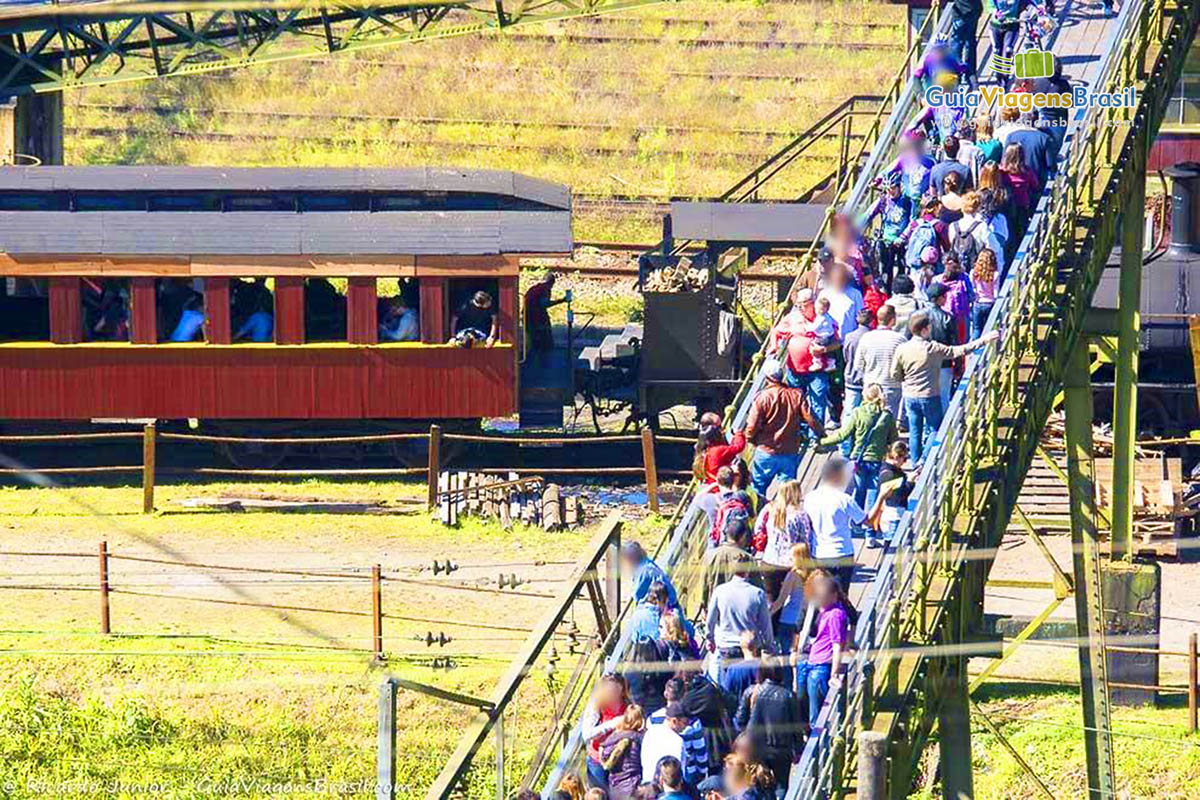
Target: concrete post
(385, 757)
(872, 765)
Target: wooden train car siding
(218, 327)
(316, 381)
(362, 317)
(66, 310)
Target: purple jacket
(624, 775)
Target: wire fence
(151, 438)
(371, 578)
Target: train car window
(33, 201)
(106, 310)
(325, 310)
(474, 304)
(333, 202)
(399, 306)
(399, 202)
(183, 202)
(24, 310)
(252, 310)
(180, 309)
(250, 202)
(103, 201)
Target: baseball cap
(804, 295)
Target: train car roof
(285, 179)
(71, 211)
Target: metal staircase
(913, 633)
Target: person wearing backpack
(895, 212)
(972, 234)
(923, 233)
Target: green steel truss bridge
(51, 45)
(922, 613)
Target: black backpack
(966, 246)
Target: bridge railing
(1036, 327)
(682, 546)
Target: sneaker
(874, 543)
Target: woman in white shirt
(778, 528)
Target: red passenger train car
(105, 266)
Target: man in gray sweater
(917, 365)
(873, 357)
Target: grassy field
(680, 99)
(1155, 757)
(189, 695)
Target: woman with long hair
(984, 279)
(675, 643)
(779, 526)
(601, 716)
(990, 148)
(1023, 185)
(713, 451)
(621, 754)
(790, 603)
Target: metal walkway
(908, 673)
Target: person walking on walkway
(773, 427)
(871, 430)
(917, 365)
(833, 513)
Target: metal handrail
(968, 436)
(692, 524)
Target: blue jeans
(853, 400)
(816, 388)
(597, 775)
(963, 42)
(946, 387)
(866, 483)
(765, 466)
(924, 418)
(816, 686)
(979, 315)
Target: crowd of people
(865, 364)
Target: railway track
(164, 111)
(336, 141)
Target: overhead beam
(108, 43)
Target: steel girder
(51, 47)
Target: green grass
(659, 119)
(1155, 756)
(193, 697)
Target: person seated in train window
(111, 314)
(398, 322)
(191, 320)
(260, 325)
(173, 296)
(475, 321)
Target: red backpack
(737, 504)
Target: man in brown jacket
(773, 427)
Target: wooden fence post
(148, 455)
(1193, 679)
(435, 455)
(104, 616)
(377, 611)
(651, 469)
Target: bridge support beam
(1129, 325)
(954, 711)
(1089, 605)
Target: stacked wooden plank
(506, 498)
